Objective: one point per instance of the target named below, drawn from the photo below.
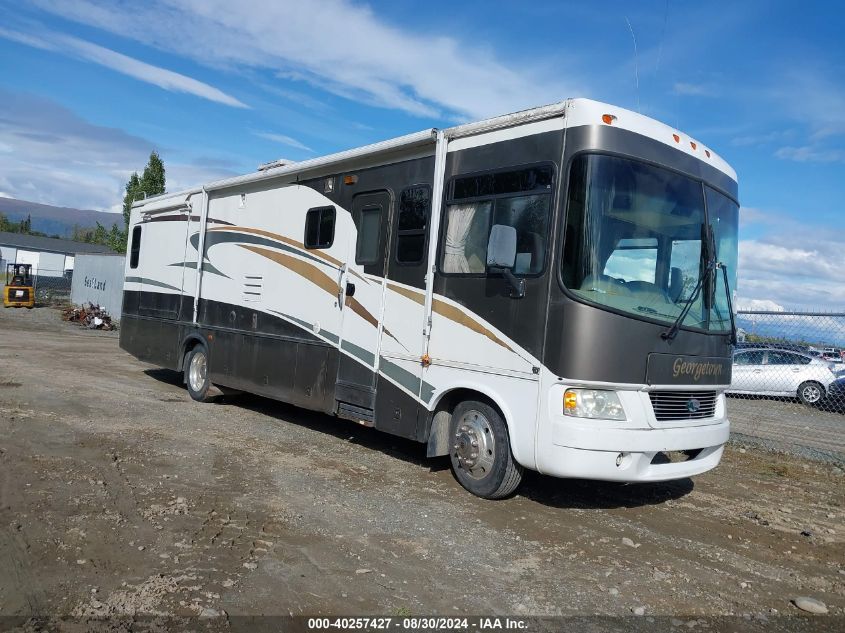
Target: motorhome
(548, 290)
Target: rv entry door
(362, 307)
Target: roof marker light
(692, 145)
(677, 138)
(608, 118)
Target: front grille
(13, 292)
(683, 405)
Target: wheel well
(437, 433)
(190, 343)
(453, 398)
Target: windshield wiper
(730, 303)
(672, 332)
(708, 255)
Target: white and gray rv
(549, 290)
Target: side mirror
(501, 256)
(501, 247)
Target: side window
(785, 358)
(319, 227)
(683, 268)
(749, 358)
(367, 249)
(633, 259)
(414, 209)
(518, 198)
(135, 247)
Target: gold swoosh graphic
(301, 268)
(280, 238)
(450, 312)
(353, 304)
(413, 295)
(319, 278)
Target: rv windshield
(633, 241)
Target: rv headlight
(597, 404)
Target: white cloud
(751, 140)
(284, 140)
(339, 46)
(758, 305)
(793, 269)
(161, 77)
(692, 90)
(811, 154)
(61, 159)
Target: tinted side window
(319, 227)
(414, 209)
(135, 247)
(785, 358)
(369, 231)
(749, 358)
(519, 198)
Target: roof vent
(273, 164)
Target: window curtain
(460, 220)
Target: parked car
(836, 391)
(773, 372)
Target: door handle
(350, 289)
(796, 370)
(340, 272)
(758, 371)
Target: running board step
(361, 415)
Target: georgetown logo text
(695, 370)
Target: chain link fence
(52, 287)
(788, 384)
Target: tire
(196, 373)
(480, 451)
(810, 393)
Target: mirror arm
(517, 284)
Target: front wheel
(481, 452)
(810, 393)
(196, 373)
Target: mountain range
(56, 220)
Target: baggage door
(362, 306)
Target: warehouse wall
(99, 279)
(8, 255)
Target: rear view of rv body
(499, 291)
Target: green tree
(133, 190)
(117, 239)
(100, 236)
(153, 179)
(151, 182)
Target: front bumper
(587, 453)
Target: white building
(49, 256)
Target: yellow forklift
(19, 291)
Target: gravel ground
(788, 426)
(120, 495)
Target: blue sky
(89, 87)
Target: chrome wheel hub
(197, 371)
(811, 393)
(474, 445)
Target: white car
(776, 372)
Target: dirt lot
(118, 494)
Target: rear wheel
(480, 451)
(196, 373)
(810, 392)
